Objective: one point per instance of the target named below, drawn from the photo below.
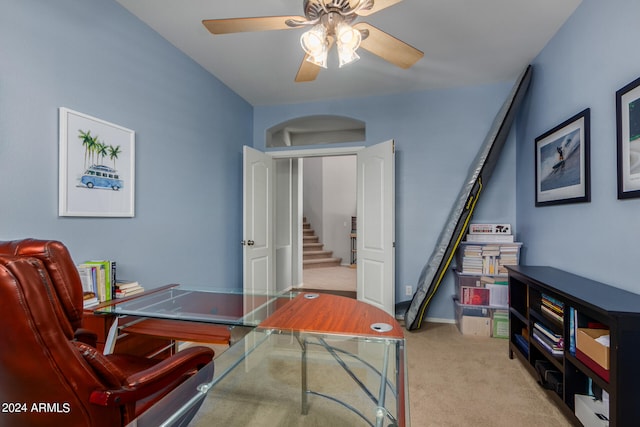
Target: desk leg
(381, 411)
(401, 403)
(305, 406)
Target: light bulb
(348, 36)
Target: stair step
(308, 232)
(321, 262)
(312, 246)
(310, 239)
(316, 254)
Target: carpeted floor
(341, 278)
(454, 380)
(460, 380)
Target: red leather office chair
(57, 380)
(64, 277)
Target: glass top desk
(310, 359)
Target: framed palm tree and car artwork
(96, 171)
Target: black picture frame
(562, 162)
(628, 140)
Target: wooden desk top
(331, 314)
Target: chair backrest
(41, 365)
(61, 269)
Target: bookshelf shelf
(566, 304)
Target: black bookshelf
(615, 308)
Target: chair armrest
(86, 336)
(152, 380)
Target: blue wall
(593, 55)
(437, 135)
(97, 58)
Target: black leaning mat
(458, 220)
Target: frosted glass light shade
(348, 41)
(314, 42)
(346, 56)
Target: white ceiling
(466, 42)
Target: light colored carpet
(454, 380)
(341, 278)
(460, 380)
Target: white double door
(375, 219)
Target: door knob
(250, 242)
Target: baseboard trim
(439, 320)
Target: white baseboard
(440, 320)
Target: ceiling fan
(330, 23)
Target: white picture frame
(96, 167)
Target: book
(489, 229)
(472, 295)
(126, 288)
(490, 238)
(498, 294)
(484, 280)
(551, 314)
(87, 278)
(129, 292)
(548, 346)
(522, 343)
(552, 336)
(126, 284)
(573, 325)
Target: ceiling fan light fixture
(314, 42)
(320, 60)
(348, 41)
(346, 56)
(348, 36)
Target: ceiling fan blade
(308, 71)
(378, 5)
(239, 25)
(388, 47)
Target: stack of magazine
(552, 308)
(552, 342)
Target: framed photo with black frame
(562, 162)
(628, 124)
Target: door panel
(258, 247)
(376, 226)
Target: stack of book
(90, 300)
(127, 288)
(552, 342)
(552, 308)
(508, 256)
(489, 258)
(472, 259)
